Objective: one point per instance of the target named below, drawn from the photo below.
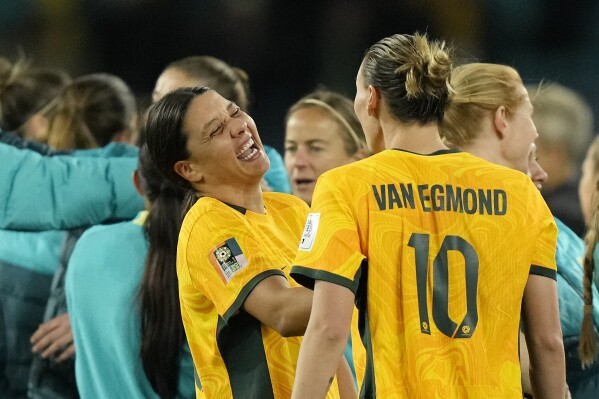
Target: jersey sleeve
(224, 259)
(330, 247)
(543, 261)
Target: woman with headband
(322, 132)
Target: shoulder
(107, 247)
(114, 236)
(282, 201)
(287, 207)
(207, 209)
(210, 219)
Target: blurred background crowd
(288, 48)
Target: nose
(301, 157)
(543, 176)
(538, 175)
(238, 127)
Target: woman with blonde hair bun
(440, 249)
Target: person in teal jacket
(123, 301)
(583, 381)
(95, 109)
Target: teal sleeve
(61, 192)
(110, 150)
(277, 177)
(35, 251)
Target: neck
(486, 153)
(248, 197)
(421, 139)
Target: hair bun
(428, 68)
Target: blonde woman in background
(490, 116)
(564, 120)
(322, 132)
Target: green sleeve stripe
(368, 389)
(241, 346)
(247, 289)
(306, 277)
(543, 271)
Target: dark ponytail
(162, 334)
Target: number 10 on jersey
(421, 244)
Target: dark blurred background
(288, 48)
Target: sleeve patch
(310, 231)
(228, 259)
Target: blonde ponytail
(588, 340)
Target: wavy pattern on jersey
(407, 362)
(268, 241)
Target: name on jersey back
(439, 197)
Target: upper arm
(332, 308)
(541, 313)
(267, 299)
(45, 193)
(223, 259)
(331, 247)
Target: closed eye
(217, 131)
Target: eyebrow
(308, 142)
(206, 127)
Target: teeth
(246, 146)
(251, 154)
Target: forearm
(540, 316)
(548, 372)
(280, 307)
(319, 358)
(296, 306)
(525, 366)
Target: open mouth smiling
(247, 151)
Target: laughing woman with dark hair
(242, 318)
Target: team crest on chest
(228, 259)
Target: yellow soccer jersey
(223, 253)
(438, 249)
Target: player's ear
(374, 100)
(188, 170)
(501, 122)
(137, 182)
